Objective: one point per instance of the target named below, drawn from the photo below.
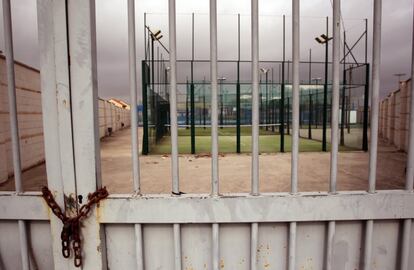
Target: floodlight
(322, 39)
(319, 40)
(157, 33)
(264, 70)
(156, 36)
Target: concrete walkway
(234, 171)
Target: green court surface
(269, 142)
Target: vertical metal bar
(214, 99)
(216, 246)
(134, 124)
(330, 245)
(173, 96)
(369, 227)
(24, 248)
(410, 159)
(255, 96)
(406, 237)
(49, 68)
(295, 95)
(292, 246)
(14, 128)
(405, 244)
(238, 89)
(336, 28)
(336, 24)
(84, 93)
(254, 237)
(192, 131)
(177, 246)
(139, 252)
(11, 91)
(376, 62)
(133, 92)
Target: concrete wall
(394, 116)
(28, 95)
(111, 116)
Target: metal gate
(329, 230)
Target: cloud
(112, 33)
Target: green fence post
(310, 116)
(282, 111)
(365, 123)
(144, 109)
(192, 112)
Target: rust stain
(222, 264)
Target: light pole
(317, 80)
(266, 71)
(154, 36)
(221, 79)
(324, 39)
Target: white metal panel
(411, 257)
(235, 246)
(196, 246)
(158, 247)
(9, 246)
(385, 245)
(272, 246)
(40, 246)
(309, 236)
(120, 246)
(347, 245)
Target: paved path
(234, 170)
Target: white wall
(394, 116)
(28, 95)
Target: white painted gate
(330, 230)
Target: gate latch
(71, 225)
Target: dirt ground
(234, 171)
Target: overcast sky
(112, 33)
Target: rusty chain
(71, 225)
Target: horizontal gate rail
(231, 208)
